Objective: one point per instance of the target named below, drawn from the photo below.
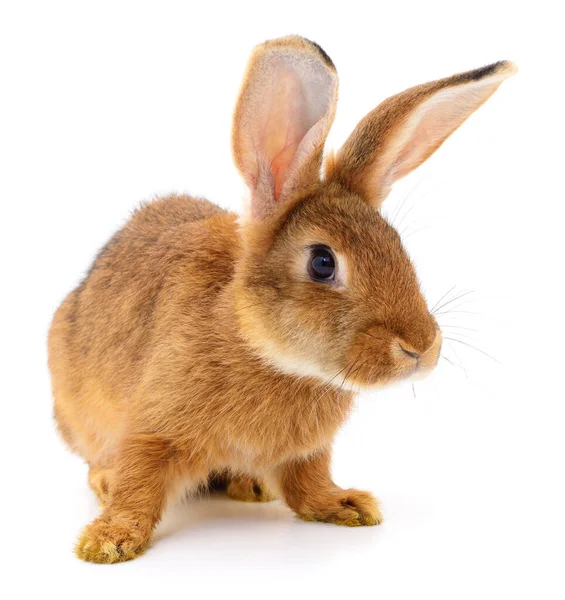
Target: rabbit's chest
(287, 432)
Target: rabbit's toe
(109, 542)
(353, 508)
(248, 489)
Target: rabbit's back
(102, 333)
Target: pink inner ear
(434, 122)
(282, 118)
(280, 165)
(285, 124)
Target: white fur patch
(291, 365)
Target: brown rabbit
(202, 347)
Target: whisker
(359, 368)
(404, 216)
(455, 307)
(455, 364)
(426, 194)
(457, 327)
(474, 348)
(448, 302)
(411, 233)
(350, 370)
(327, 386)
(469, 312)
(397, 212)
(456, 355)
(465, 335)
(448, 292)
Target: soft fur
(198, 351)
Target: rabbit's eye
(321, 266)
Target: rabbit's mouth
(420, 364)
(398, 362)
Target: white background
(105, 104)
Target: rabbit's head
(324, 287)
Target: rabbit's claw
(353, 508)
(110, 542)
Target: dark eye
(322, 263)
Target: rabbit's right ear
(404, 130)
(283, 115)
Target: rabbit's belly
(259, 458)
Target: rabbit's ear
(404, 130)
(283, 115)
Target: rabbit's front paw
(247, 489)
(111, 541)
(352, 508)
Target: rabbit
(204, 347)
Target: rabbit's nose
(410, 353)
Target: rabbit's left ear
(404, 130)
(283, 115)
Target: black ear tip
(323, 54)
(300, 43)
(502, 66)
(508, 66)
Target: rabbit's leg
(99, 481)
(248, 489)
(134, 505)
(308, 489)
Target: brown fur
(197, 350)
